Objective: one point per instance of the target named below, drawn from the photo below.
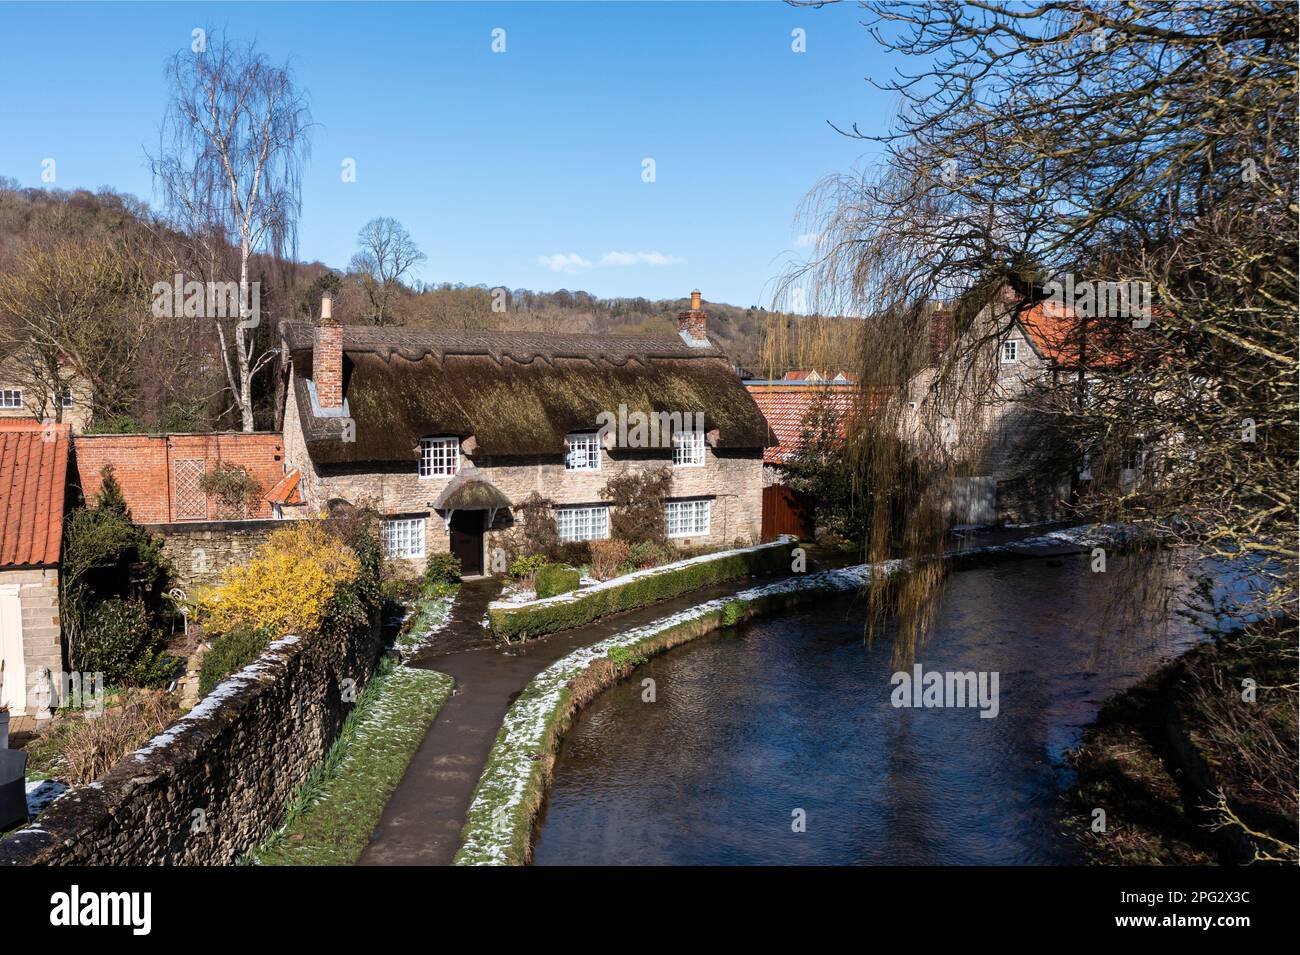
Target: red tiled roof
(784, 406)
(286, 490)
(33, 479)
(1060, 334)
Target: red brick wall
(695, 324)
(327, 365)
(146, 467)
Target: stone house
(33, 481)
(1028, 345)
(446, 433)
(30, 397)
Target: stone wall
(201, 551)
(216, 782)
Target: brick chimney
(692, 325)
(327, 358)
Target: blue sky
(496, 162)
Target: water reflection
(793, 712)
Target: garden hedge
(539, 617)
(555, 579)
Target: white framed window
(11, 397)
(65, 398)
(1011, 351)
(687, 518)
(584, 453)
(439, 457)
(404, 537)
(688, 449)
(583, 523)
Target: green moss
(523, 622)
(733, 612)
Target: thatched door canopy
(470, 490)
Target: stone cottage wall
(216, 782)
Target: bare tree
(387, 254)
(232, 147)
(76, 309)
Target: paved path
(422, 822)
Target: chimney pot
(326, 307)
(695, 301)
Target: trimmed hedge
(556, 579)
(531, 620)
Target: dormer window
(688, 449)
(584, 452)
(439, 457)
(1010, 351)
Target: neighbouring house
(786, 404)
(34, 462)
(446, 433)
(32, 397)
(1037, 342)
(813, 376)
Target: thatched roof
(515, 393)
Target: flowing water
(793, 713)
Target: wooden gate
(786, 512)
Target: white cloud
(572, 263)
(807, 239)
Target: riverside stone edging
(510, 791)
(531, 618)
(215, 782)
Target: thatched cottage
(446, 433)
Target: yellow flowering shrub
(285, 587)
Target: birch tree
(232, 147)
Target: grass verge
(330, 819)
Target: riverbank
(1197, 764)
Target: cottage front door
(467, 541)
